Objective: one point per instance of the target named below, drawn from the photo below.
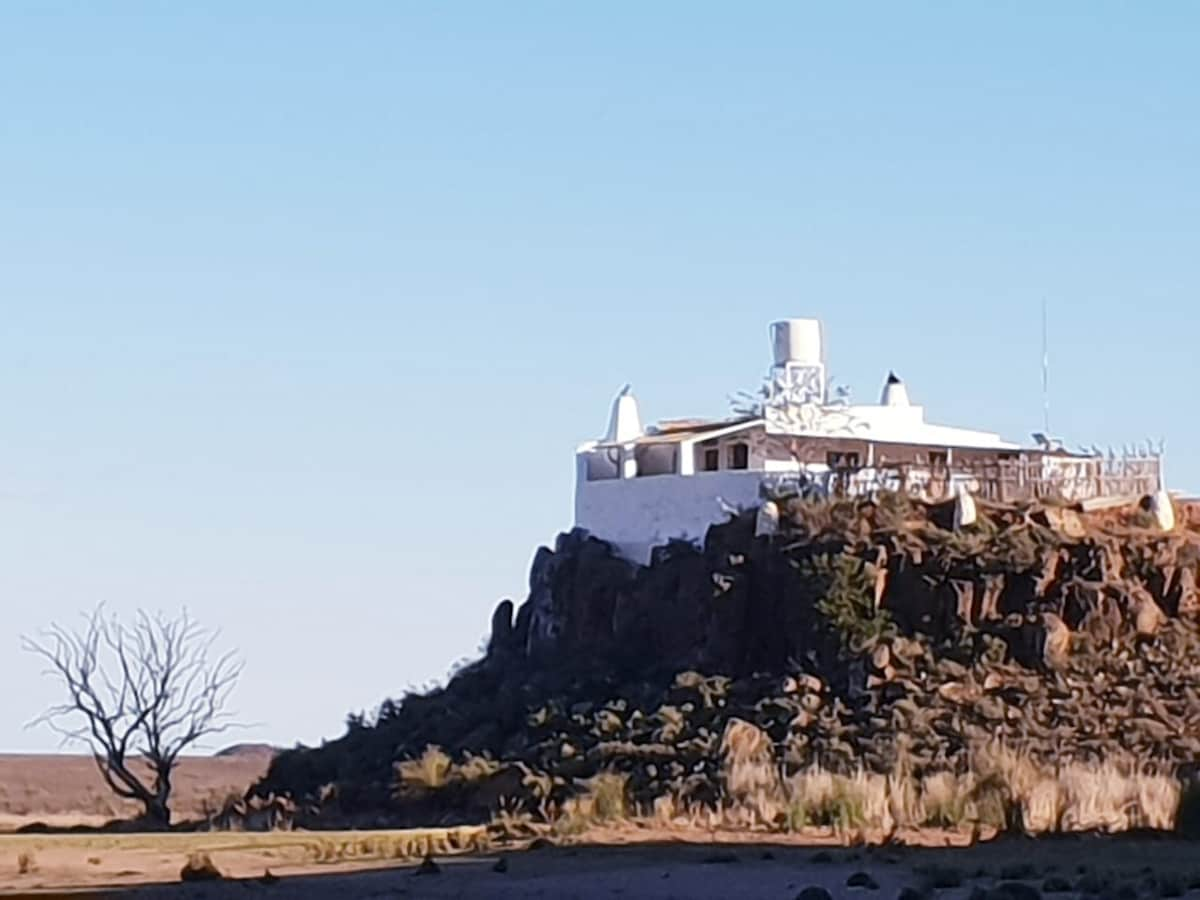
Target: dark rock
(502, 638)
(1014, 890)
(942, 877)
(200, 867)
(428, 867)
(814, 893)
(1090, 883)
(862, 880)
(1018, 871)
(1171, 885)
(1123, 891)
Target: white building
(640, 487)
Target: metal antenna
(1045, 369)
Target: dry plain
(63, 791)
(617, 863)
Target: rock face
(841, 632)
(746, 601)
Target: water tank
(797, 341)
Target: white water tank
(797, 341)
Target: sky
(305, 307)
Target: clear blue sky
(305, 306)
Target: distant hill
(247, 750)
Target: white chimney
(624, 424)
(894, 392)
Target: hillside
(864, 641)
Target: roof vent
(894, 392)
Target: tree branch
(149, 688)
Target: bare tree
(142, 691)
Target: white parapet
(637, 514)
(1163, 510)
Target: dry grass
(414, 844)
(430, 769)
(434, 769)
(604, 799)
(314, 846)
(1002, 789)
(95, 860)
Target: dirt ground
(609, 865)
(62, 791)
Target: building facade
(640, 487)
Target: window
(656, 459)
(838, 460)
(739, 456)
(712, 459)
(604, 464)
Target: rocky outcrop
(746, 601)
(853, 634)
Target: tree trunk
(157, 815)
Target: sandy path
(729, 872)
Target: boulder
(1162, 510)
(766, 523)
(1057, 642)
(965, 513)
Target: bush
(430, 769)
(847, 599)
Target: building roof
(880, 424)
(907, 425)
(676, 431)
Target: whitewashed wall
(638, 514)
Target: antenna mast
(1045, 370)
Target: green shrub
(847, 599)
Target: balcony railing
(1070, 478)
